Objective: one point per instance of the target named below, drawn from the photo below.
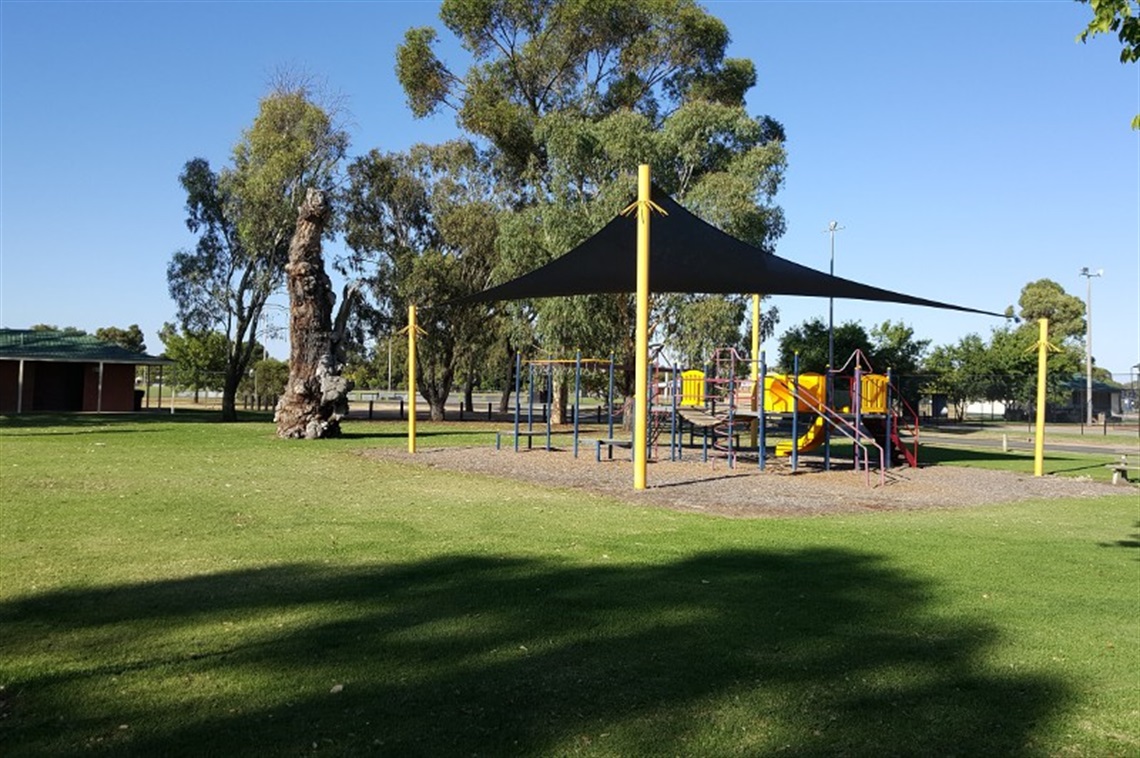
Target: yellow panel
(874, 391)
(693, 387)
(778, 392)
(815, 386)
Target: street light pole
(1088, 275)
(829, 385)
(832, 228)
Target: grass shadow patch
(814, 651)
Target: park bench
(1120, 469)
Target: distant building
(1106, 398)
(60, 371)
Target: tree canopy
(810, 341)
(1045, 298)
(588, 58)
(423, 225)
(1004, 369)
(199, 357)
(131, 338)
(1121, 17)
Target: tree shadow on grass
(1086, 467)
(933, 453)
(810, 652)
(1054, 463)
(1132, 541)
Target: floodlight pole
(755, 338)
(832, 228)
(1088, 275)
(829, 386)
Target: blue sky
(967, 147)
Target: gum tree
(422, 227)
(1119, 17)
(571, 97)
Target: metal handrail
(857, 436)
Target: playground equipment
(806, 442)
(540, 373)
(869, 412)
(793, 415)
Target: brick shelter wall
(50, 386)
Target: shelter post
(411, 378)
(610, 401)
(1042, 360)
(641, 369)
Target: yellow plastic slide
(809, 440)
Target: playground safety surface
(744, 491)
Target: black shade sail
(686, 255)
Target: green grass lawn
(175, 586)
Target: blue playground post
(648, 390)
(731, 414)
(763, 439)
(829, 399)
(610, 400)
(674, 443)
(577, 395)
(795, 411)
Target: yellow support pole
(412, 378)
(1042, 359)
(641, 369)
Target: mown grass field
(175, 586)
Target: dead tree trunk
(316, 395)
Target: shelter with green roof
(62, 371)
(1107, 398)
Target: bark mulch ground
(745, 491)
